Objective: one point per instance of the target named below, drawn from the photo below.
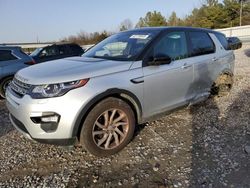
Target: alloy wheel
(110, 129)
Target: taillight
(30, 62)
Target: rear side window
(223, 40)
(49, 51)
(201, 43)
(76, 49)
(6, 55)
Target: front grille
(20, 88)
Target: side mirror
(234, 45)
(230, 44)
(159, 60)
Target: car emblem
(20, 78)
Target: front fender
(115, 92)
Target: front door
(168, 86)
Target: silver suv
(127, 79)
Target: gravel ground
(207, 145)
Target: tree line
(212, 14)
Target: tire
(3, 85)
(222, 85)
(96, 129)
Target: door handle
(214, 59)
(137, 80)
(185, 66)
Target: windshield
(36, 52)
(123, 46)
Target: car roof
(61, 44)
(64, 43)
(3, 47)
(174, 28)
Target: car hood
(70, 69)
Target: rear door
(167, 86)
(203, 53)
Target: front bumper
(60, 142)
(23, 109)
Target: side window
(201, 43)
(62, 49)
(223, 40)
(173, 45)
(49, 51)
(6, 55)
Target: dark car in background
(234, 43)
(56, 51)
(12, 59)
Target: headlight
(55, 90)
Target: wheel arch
(125, 95)
(226, 71)
(221, 79)
(6, 76)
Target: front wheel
(3, 86)
(108, 128)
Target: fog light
(50, 119)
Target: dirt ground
(207, 145)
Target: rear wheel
(108, 128)
(222, 85)
(3, 86)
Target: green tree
(152, 19)
(173, 20)
(246, 12)
(213, 14)
(211, 2)
(210, 15)
(232, 9)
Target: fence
(242, 32)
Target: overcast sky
(51, 20)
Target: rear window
(223, 40)
(22, 52)
(201, 43)
(5, 55)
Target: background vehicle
(12, 59)
(127, 79)
(56, 51)
(234, 43)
